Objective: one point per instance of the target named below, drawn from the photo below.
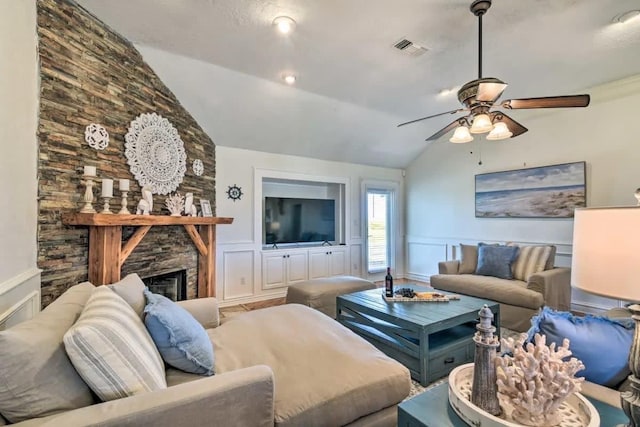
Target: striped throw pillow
(111, 349)
(530, 260)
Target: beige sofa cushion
(112, 350)
(531, 260)
(513, 292)
(36, 377)
(468, 259)
(131, 289)
(324, 373)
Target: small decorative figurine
(175, 203)
(145, 205)
(535, 381)
(189, 208)
(484, 391)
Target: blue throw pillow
(496, 260)
(602, 344)
(181, 340)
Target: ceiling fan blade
(548, 102)
(515, 127)
(448, 128)
(490, 92)
(430, 117)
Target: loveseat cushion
(36, 377)
(112, 350)
(181, 340)
(531, 260)
(324, 373)
(495, 260)
(512, 292)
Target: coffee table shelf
(430, 339)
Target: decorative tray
(576, 411)
(422, 297)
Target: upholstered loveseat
(535, 283)
(288, 366)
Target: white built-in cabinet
(327, 261)
(283, 268)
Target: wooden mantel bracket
(107, 253)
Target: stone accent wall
(90, 74)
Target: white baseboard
(254, 298)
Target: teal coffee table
(429, 338)
(432, 409)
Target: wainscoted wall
(240, 277)
(440, 183)
(19, 275)
(90, 74)
(19, 298)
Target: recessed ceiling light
(289, 79)
(284, 24)
(625, 17)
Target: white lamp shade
(500, 131)
(461, 135)
(606, 252)
(481, 124)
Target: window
(379, 213)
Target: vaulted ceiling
(225, 62)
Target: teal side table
(432, 409)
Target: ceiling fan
(479, 99)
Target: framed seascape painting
(542, 192)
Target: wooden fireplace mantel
(107, 252)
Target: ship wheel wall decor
(155, 153)
(234, 192)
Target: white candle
(90, 171)
(107, 187)
(123, 184)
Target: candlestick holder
(124, 210)
(88, 194)
(105, 209)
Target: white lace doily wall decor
(96, 136)
(155, 153)
(198, 167)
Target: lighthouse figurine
(484, 391)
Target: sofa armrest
(448, 267)
(554, 285)
(205, 310)
(244, 397)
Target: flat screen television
(296, 220)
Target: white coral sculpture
(175, 204)
(535, 381)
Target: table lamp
(606, 262)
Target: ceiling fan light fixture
(461, 135)
(500, 131)
(284, 24)
(481, 124)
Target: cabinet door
(318, 264)
(273, 271)
(338, 262)
(296, 267)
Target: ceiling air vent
(410, 48)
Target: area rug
(416, 388)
